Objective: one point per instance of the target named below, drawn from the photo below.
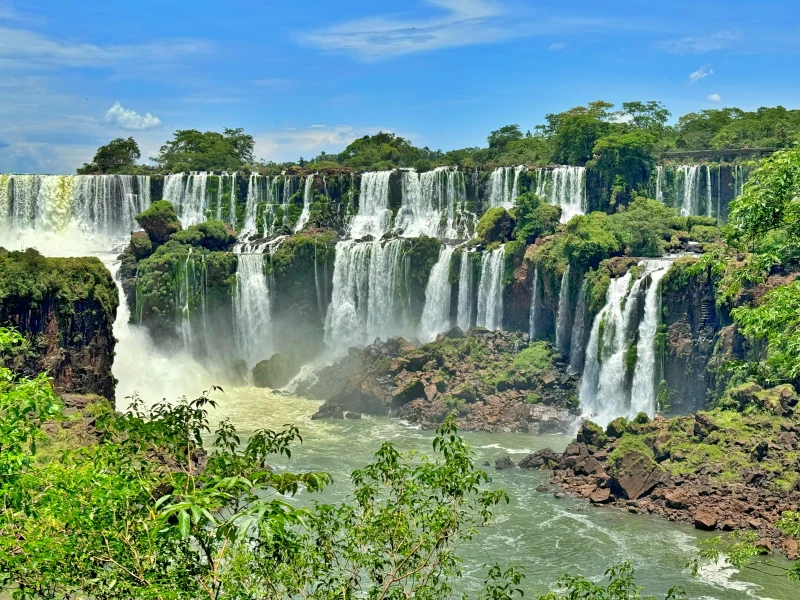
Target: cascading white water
(688, 177)
(251, 309)
(374, 216)
(185, 289)
(563, 186)
(643, 388)
(534, 304)
(606, 336)
(562, 316)
(436, 312)
(370, 294)
(490, 289)
(660, 183)
(604, 394)
(187, 193)
(576, 349)
(258, 190)
(103, 205)
(503, 187)
(464, 315)
(709, 197)
(434, 204)
(232, 207)
(309, 186)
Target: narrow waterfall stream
(464, 315)
(563, 315)
(490, 289)
(251, 309)
(436, 312)
(534, 304)
(307, 189)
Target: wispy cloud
(555, 46)
(701, 73)
(463, 23)
(27, 49)
(714, 98)
(700, 44)
(291, 143)
(130, 120)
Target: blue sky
(309, 76)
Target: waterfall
(739, 177)
(374, 216)
(185, 290)
(301, 222)
(490, 289)
(709, 199)
(534, 304)
(464, 315)
(562, 316)
(288, 192)
(436, 312)
(690, 192)
(643, 389)
(605, 393)
(659, 183)
(187, 193)
(576, 349)
(220, 183)
(251, 309)
(504, 186)
(232, 207)
(563, 186)
(251, 207)
(96, 204)
(370, 294)
(434, 204)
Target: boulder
(141, 246)
(160, 221)
(705, 518)
(591, 434)
(617, 427)
(274, 372)
(634, 475)
(352, 416)
(503, 463)
(600, 496)
(676, 499)
(541, 459)
(328, 411)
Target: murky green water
(548, 536)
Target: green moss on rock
(160, 221)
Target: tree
(646, 115)
(113, 157)
(500, 138)
(629, 155)
(192, 150)
(621, 586)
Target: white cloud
(714, 98)
(291, 143)
(130, 120)
(464, 23)
(701, 73)
(555, 46)
(700, 44)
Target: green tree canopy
(192, 150)
(118, 155)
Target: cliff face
(65, 308)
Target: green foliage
(770, 203)
(211, 235)
(496, 225)
(150, 511)
(33, 280)
(119, 155)
(423, 253)
(621, 586)
(160, 221)
(534, 218)
(628, 155)
(192, 150)
(734, 128)
(776, 320)
(383, 151)
(535, 358)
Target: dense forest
(627, 140)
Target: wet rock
(328, 411)
(503, 463)
(600, 496)
(275, 372)
(352, 416)
(542, 488)
(541, 459)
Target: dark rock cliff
(65, 308)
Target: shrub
(496, 225)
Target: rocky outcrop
(719, 470)
(275, 372)
(65, 309)
(491, 381)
